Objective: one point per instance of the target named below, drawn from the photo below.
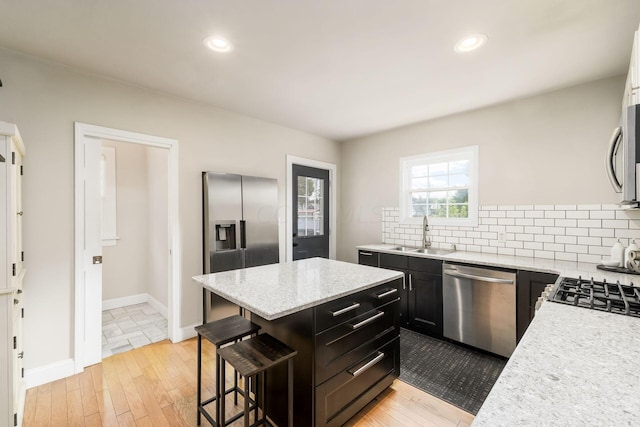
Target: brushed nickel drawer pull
(369, 364)
(367, 321)
(366, 253)
(387, 293)
(344, 310)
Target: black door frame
(333, 184)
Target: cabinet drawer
(425, 265)
(339, 399)
(394, 261)
(368, 258)
(345, 309)
(340, 347)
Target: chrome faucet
(426, 240)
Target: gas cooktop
(604, 296)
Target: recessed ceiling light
(218, 44)
(470, 42)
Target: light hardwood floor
(156, 386)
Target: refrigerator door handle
(243, 234)
(616, 139)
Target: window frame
(406, 163)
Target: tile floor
(129, 327)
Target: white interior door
(92, 253)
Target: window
(441, 185)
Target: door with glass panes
(310, 212)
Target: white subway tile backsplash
(506, 251)
(582, 233)
(544, 254)
(565, 256)
(589, 207)
(533, 245)
(566, 223)
(515, 214)
(554, 214)
(577, 231)
(596, 259)
(571, 240)
(578, 214)
(534, 214)
(524, 252)
(602, 232)
(524, 237)
(514, 244)
(577, 249)
(543, 207)
(602, 214)
(594, 241)
(566, 207)
(615, 223)
(589, 223)
(544, 238)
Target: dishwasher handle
(480, 278)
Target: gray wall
(546, 149)
(44, 100)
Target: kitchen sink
(434, 251)
(403, 249)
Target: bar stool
(251, 359)
(219, 333)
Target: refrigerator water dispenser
(225, 236)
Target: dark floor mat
(458, 375)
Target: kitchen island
(342, 318)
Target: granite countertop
(562, 268)
(276, 290)
(573, 367)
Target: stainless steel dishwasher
(479, 307)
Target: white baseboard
(110, 304)
(186, 333)
(52, 372)
(161, 308)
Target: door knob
(97, 259)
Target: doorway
(89, 219)
(311, 224)
(310, 212)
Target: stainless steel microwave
(623, 157)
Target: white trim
(333, 191)
(84, 132)
(112, 303)
(160, 308)
(186, 333)
(47, 373)
(471, 153)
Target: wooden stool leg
(220, 416)
(290, 392)
(263, 420)
(199, 391)
(246, 402)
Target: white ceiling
(336, 68)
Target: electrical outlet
(502, 237)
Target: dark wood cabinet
(348, 353)
(399, 263)
(421, 297)
(530, 286)
(368, 258)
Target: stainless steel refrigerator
(240, 225)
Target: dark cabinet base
(344, 360)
